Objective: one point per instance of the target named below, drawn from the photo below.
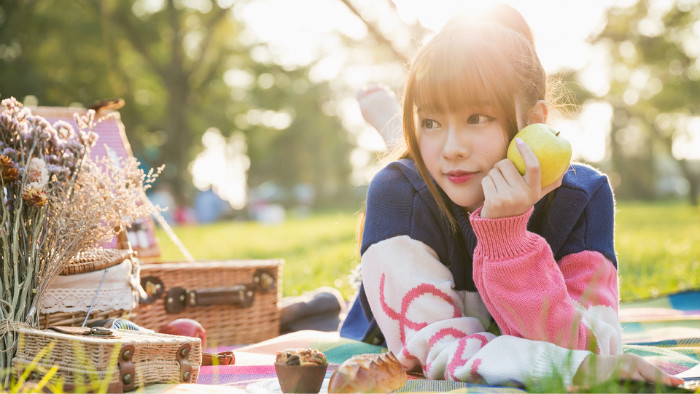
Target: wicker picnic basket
(236, 301)
(101, 282)
(141, 358)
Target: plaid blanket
(663, 330)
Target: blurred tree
(182, 68)
(402, 51)
(294, 133)
(654, 49)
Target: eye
(429, 124)
(478, 119)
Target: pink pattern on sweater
(474, 373)
(457, 358)
(528, 293)
(445, 332)
(407, 299)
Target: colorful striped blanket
(663, 330)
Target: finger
(488, 186)
(676, 381)
(532, 165)
(657, 375)
(499, 180)
(489, 190)
(509, 172)
(652, 373)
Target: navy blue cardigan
(577, 216)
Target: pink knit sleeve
(429, 325)
(572, 304)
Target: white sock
(380, 109)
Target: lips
(459, 176)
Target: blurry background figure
(208, 206)
(304, 195)
(379, 107)
(270, 213)
(162, 196)
(183, 213)
(266, 203)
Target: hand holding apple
(553, 151)
(536, 161)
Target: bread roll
(368, 373)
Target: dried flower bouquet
(56, 203)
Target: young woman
(470, 271)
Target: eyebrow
(438, 108)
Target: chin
(466, 201)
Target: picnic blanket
(664, 330)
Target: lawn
(658, 246)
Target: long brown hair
(469, 62)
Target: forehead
(451, 88)
(462, 67)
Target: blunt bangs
(459, 69)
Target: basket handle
(177, 299)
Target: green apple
(552, 151)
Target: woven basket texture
(96, 259)
(76, 319)
(154, 356)
(88, 261)
(225, 325)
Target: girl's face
(459, 148)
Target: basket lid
(95, 259)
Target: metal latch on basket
(178, 299)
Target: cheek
(499, 149)
(430, 151)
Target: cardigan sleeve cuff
(503, 237)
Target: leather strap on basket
(182, 355)
(177, 299)
(154, 288)
(127, 371)
(221, 358)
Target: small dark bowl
(300, 379)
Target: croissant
(368, 373)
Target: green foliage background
(182, 70)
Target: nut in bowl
(300, 370)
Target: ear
(538, 113)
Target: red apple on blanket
(187, 328)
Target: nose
(455, 146)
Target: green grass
(320, 250)
(658, 246)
